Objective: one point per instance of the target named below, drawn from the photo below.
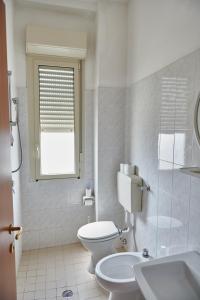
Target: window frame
(33, 61)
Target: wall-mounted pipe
(14, 123)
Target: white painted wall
(82, 5)
(160, 32)
(52, 209)
(52, 19)
(14, 149)
(109, 106)
(111, 44)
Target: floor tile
(45, 273)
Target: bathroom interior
(103, 123)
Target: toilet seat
(96, 231)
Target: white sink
(175, 277)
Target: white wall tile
(52, 209)
(159, 140)
(110, 151)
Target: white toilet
(115, 273)
(99, 238)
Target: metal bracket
(12, 123)
(15, 100)
(145, 187)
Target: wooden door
(7, 256)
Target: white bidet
(115, 274)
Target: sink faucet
(145, 253)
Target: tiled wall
(52, 209)
(110, 151)
(159, 140)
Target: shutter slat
(57, 80)
(56, 108)
(56, 85)
(51, 122)
(59, 102)
(56, 117)
(52, 94)
(54, 112)
(56, 77)
(56, 70)
(58, 128)
(56, 95)
(57, 99)
(56, 89)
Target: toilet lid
(98, 230)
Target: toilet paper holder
(88, 200)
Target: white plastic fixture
(98, 230)
(115, 273)
(99, 238)
(130, 192)
(58, 42)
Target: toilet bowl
(115, 273)
(99, 238)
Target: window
(54, 111)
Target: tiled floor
(45, 273)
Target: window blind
(56, 98)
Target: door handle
(14, 229)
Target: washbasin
(175, 277)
